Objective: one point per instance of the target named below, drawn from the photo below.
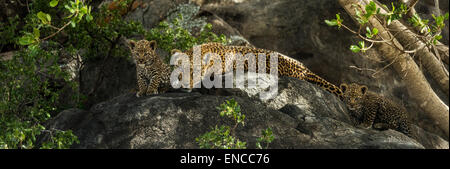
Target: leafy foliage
(30, 96)
(220, 138)
(60, 140)
(267, 137)
(232, 110)
(223, 137)
(32, 81)
(425, 28)
(100, 38)
(361, 47)
(38, 19)
(171, 35)
(397, 11)
(370, 10)
(416, 21)
(371, 33)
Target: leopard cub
(152, 72)
(372, 110)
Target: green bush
(223, 137)
(30, 89)
(32, 81)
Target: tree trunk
(431, 63)
(417, 86)
(443, 52)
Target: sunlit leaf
(45, 18)
(26, 40)
(53, 3)
(331, 23)
(355, 48)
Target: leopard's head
(143, 51)
(353, 95)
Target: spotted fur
(152, 72)
(371, 110)
(286, 66)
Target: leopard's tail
(293, 68)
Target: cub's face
(353, 95)
(143, 51)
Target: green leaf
(368, 30)
(370, 9)
(371, 33)
(72, 23)
(71, 10)
(332, 22)
(436, 39)
(355, 48)
(89, 10)
(258, 145)
(53, 3)
(84, 10)
(361, 44)
(374, 31)
(49, 18)
(26, 40)
(45, 18)
(80, 16)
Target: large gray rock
(301, 116)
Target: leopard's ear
(152, 45)
(343, 87)
(363, 89)
(131, 44)
(173, 51)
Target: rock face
(301, 116)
